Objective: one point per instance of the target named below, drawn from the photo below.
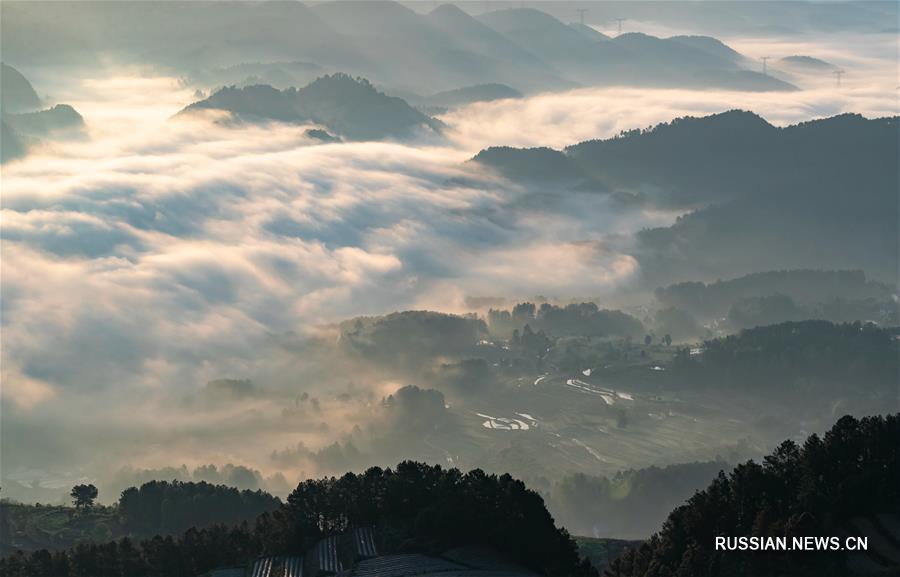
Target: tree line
(415, 507)
(808, 490)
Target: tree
(83, 496)
(814, 489)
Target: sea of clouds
(156, 254)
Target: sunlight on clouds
(24, 391)
(159, 253)
(561, 119)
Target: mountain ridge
(352, 108)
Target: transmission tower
(581, 13)
(837, 77)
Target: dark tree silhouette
(83, 496)
(814, 489)
(415, 507)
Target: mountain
(805, 286)
(710, 45)
(11, 145)
(280, 75)
(538, 165)
(16, 93)
(352, 108)
(842, 484)
(384, 41)
(588, 32)
(569, 50)
(588, 57)
(44, 122)
(761, 197)
(691, 159)
(441, 50)
(806, 64)
(469, 94)
(509, 62)
(794, 205)
(21, 121)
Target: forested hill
(709, 159)
(349, 107)
(844, 483)
(414, 508)
(154, 508)
(763, 197)
(713, 300)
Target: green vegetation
(813, 489)
(168, 508)
(83, 496)
(415, 507)
(631, 504)
(53, 527)
(154, 508)
(350, 107)
(602, 552)
(819, 177)
(815, 360)
(582, 319)
(410, 339)
(803, 286)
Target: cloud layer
(156, 255)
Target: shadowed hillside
(762, 197)
(17, 93)
(352, 108)
(414, 508)
(828, 486)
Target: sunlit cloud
(156, 254)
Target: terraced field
(553, 423)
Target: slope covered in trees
(414, 507)
(167, 508)
(42, 122)
(154, 508)
(815, 360)
(631, 504)
(411, 338)
(762, 197)
(805, 286)
(576, 319)
(352, 108)
(814, 489)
